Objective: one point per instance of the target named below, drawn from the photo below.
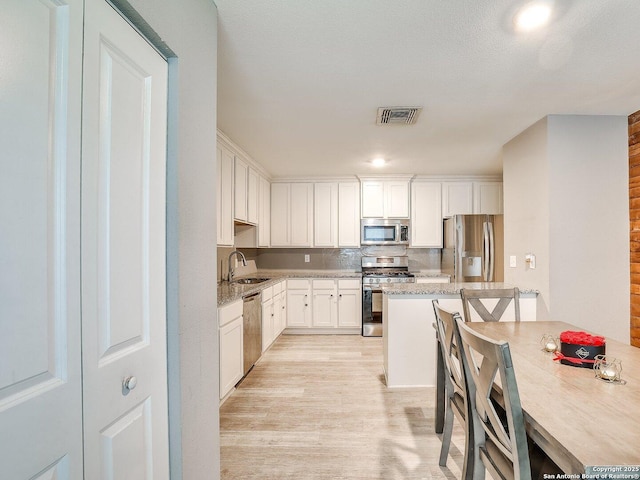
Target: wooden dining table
(578, 420)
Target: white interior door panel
(40, 369)
(123, 256)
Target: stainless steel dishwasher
(252, 330)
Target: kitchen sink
(250, 280)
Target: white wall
(589, 222)
(526, 211)
(189, 29)
(566, 200)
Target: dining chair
(474, 299)
(454, 384)
(499, 436)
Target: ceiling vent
(398, 115)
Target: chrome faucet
(242, 257)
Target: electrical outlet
(513, 261)
(307, 258)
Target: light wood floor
(316, 407)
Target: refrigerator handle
(492, 252)
(486, 251)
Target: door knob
(129, 384)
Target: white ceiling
(300, 81)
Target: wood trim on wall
(634, 226)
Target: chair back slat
(447, 333)
(474, 299)
(485, 361)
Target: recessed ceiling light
(532, 16)
(378, 162)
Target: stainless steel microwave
(384, 231)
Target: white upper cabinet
(301, 221)
(225, 197)
(471, 197)
(253, 181)
(240, 184)
(426, 214)
(349, 214)
(325, 216)
(372, 199)
(487, 197)
(280, 193)
(291, 214)
(385, 198)
(264, 213)
(396, 197)
(457, 198)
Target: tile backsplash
(324, 258)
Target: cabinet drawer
(432, 280)
(297, 284)
(324, 284)
(229, 312)
(277, 288)
(349, 283)
(267, 294)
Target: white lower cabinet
(299, 303)
(273, 313)
(324, 305)
(432, 280)
(230, 340)
(267, 318)
(349, 303)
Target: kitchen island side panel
(409, 341)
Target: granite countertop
(443, 288)
(230, 292)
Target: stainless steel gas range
(377, 271)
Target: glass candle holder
(549, 343)
(607, 368)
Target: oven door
(371, 311)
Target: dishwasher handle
(251, 298)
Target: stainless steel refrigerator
(474, 248)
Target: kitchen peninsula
(409, 339)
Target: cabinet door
(225, 197)
(252, 196)
(277, 316)
(349, 308)
(267, 324)
(349, 214)
(325, 216)
(457, 198)
(299, 308)
(372, 199)
(283, 310)
(426, 214)
(264, 217)
(240, 184)
(301, 215)
(487, 198)
(230, 339)
(324, 308)
(396, 198)
(280, 214)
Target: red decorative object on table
(579, 349)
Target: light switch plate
(513, 263)
(307, 258)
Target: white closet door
(40, 374)
(123, 251)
